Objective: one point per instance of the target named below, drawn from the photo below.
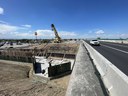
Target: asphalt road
(115, 53)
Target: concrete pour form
(48, 67)
(84, 81)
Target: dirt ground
(15, 81)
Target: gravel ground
(15, 81)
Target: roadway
(115, 53)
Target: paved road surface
(115, 53)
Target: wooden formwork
(27, 54)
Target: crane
(57, 37)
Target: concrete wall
(83, 80)
(116, 41)
(115, 81)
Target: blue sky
(72, 18)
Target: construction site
(37, 69)
(63, 48)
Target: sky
(20, 19)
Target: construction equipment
(57, 37)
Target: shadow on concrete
(105, 91)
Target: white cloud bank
(1, 10)
(123, 35)
(8, 31)
(5, 28)
(99, 32)
(50, 33)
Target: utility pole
(36, 36)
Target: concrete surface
(84, 80)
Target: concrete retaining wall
(115, 81)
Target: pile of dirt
(14, 81)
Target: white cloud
(11, 31)
(45, 32)
(3, 22)
(26, 25)
(5, 28)
(66, 33)
(1, 10)
(50, 33)
(24, 35)
(123, 35)
(99, 32)
(94, 33)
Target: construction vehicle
(57, 37)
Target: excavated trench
(26, 54)
(15, 79)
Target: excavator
(57, 37)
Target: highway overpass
(116, 53)
(111, 61)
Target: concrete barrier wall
(115, 81)
(116, 41)
(83, 80)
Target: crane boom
(57, 37)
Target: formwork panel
(59, 69)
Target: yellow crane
(57, 37)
